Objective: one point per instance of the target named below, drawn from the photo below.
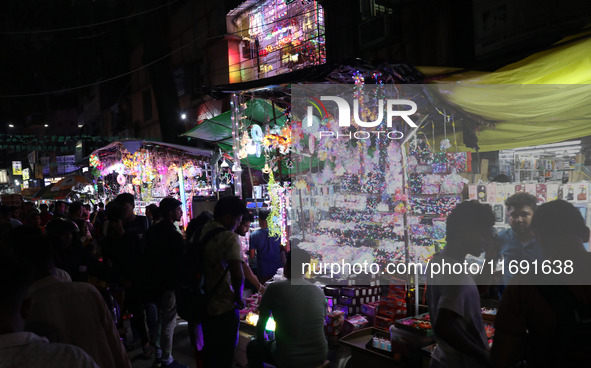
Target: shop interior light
(270, 324)
(46, 125)
(183, 116)
(562, 149)
(224, 164)
(236, 167)
(11, 125)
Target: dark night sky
(48, 46)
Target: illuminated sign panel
(275, 37)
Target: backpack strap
(210, 235)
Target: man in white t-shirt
(299, 310)
(453, 298)
(19, 348)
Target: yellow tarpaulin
(541, 99)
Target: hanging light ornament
(257, 138)
(236, 116)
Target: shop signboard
(26, 174)
(17, 168)
(3, 176)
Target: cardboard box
(355, 323)
(345, 300)
(347, 310)
(383, 323)
(332, 291)
(351, 292)
(334, 317)
(334, 322)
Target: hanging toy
(445, 143)
(266, 169)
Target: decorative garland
(274, 218)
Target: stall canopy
(541, 99)
(48, 193)
(69, 185)
(133, 146)
(71, 182)
(218, 130)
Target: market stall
(154, 170)
(71, 188)
(377, 201)
(255, 136)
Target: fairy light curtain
(348, 199)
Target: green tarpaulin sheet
(219, 129)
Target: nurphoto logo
(344, 118)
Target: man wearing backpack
(163, 254)
(549, 326)
(224, 283)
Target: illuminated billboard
(274, 37)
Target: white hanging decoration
(312, 144)
(256, 132)
(251, 147)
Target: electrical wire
(143, 67)
(88, 25)
(104, 80)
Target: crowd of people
(68, 273)
(543, 317)
(85, 268)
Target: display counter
(364, 355)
